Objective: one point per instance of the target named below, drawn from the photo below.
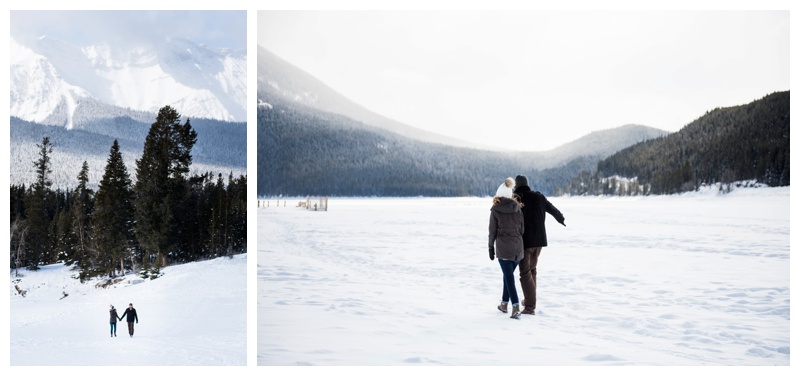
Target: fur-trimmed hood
(505, 205)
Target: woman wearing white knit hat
(506, 226)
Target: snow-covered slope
(37, 88)
(195, 314)
(278, 80)
(598, 144)
(48, 75)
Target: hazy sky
(218, 29)
(534, 80)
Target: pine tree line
(726, 145)
(165, 217)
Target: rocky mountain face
(51, 80)
(85, 97)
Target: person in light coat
(113, 320)
(506, 227)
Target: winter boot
(503, 307)
(515, 312)
(528, 311)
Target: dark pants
(527, 275)
(509, 288)
(113, 328)
(130, 328)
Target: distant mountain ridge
(51, 80)
(312, 140)
(278, 78)
(596, 145)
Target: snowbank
(195, 314)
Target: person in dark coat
(131, 313)
(506, 225)
(534, 207)
(113, 322)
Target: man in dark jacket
(131, 313)
(534, 207)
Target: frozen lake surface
(696, 279)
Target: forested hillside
(221, 146)
(307, 152)
(747, 142)
(140, 221)
(303, 151)
(312, 140)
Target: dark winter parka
(131, 313)
(534, 207)
(506, 226)
(114, 316)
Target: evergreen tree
(64, 238)
(200, 217)
(219, 217)
(162, 189)
(18, 237)
(81, 214)
(113, 215)
(19, 227)
(17, 207)
(38, 243)
(237, 196)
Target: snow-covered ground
(690, 280)
(195, 314)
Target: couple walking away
(130, 313)
(516, 237)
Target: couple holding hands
(130, 313)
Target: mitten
(491, 253)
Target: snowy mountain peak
(49, 76)
(38, 89)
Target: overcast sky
(534, 80)
(217, 29)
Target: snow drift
(195, 314)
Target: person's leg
(504, 298)
(112, 328)
(528, 278)
(130, 328)
(503, 307)
(508, 280)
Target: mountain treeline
(747, 142)
(166, 217)
(221, 146)
(302, 151)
